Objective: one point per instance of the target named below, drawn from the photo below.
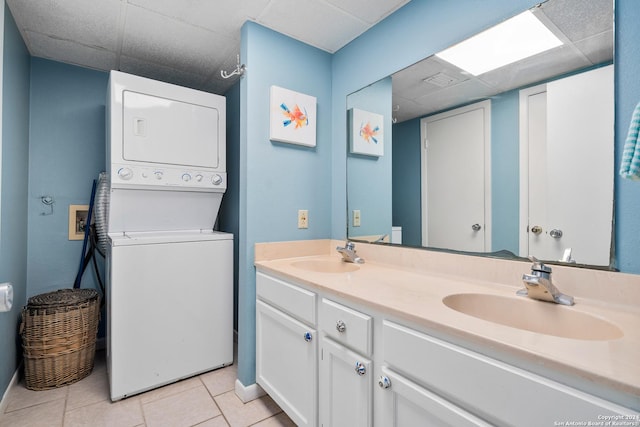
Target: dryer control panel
(129, 176)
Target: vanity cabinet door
(406, 404)
(345, 387)
(287, 363)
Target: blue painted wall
(14, 180)
(66, 152)
(505, 172)
(229, 216)
(278, 179)
(627, 193)
(369, 187)
(407, 189)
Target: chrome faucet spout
(348, 253)
(538, 285)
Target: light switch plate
(356, 217)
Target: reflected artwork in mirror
(515, 161)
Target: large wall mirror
(514, 161)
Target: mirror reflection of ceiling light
(510, 41)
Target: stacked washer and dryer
(169, 274)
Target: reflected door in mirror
(455, 178)
(567, 129)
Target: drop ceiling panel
(314, 22)
(224, 17)
(179, 45)
(580, 19)
(160, 72)
(44, 46)
(91, 23)
(370, 11)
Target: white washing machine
(169, 275)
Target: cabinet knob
(308, 337)
(340, 326)
(384, 382)
(360, 369)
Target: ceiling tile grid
(184, 42)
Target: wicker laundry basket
(59, 337)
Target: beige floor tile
(187, 408)
(124, 413)
(21, 397)
(240, 414)
(170, 390)
(89, 390)
(221, 380)
(44, 415)
(280, 420)
(214, 422)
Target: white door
(286, 363)
(456, 179)
(407, 404)
(345, 387)
(570, 168)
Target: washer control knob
(186, 177)
(158, 174)
(125, 173)
(199, 177)
(216, 179)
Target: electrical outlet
(303, 218)
(356, 217)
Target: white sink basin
(535, 316)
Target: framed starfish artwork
(293, 117)
(366, 134)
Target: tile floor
(207, 400)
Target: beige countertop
(411, 285)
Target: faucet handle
(539, 265)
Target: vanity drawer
(299, 303)
(494, 391)
(346, 326)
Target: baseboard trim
(14, 381)
(248, 393)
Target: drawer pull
(341, 326)
(384, 382)
(308, 337)
(360, 369)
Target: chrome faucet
(348, 253)
(538, 285)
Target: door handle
(476, 227)
(536, 229)
(555, 233)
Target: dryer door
(161, 130)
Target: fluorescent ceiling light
(512, 40)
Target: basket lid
(62, 297)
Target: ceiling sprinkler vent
(441, 79)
